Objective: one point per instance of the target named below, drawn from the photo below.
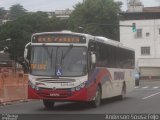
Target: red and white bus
(68, 66)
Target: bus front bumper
(59, 95)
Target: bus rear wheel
(48, 104)
(97, 100)
(123, 92)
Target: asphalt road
(144, 99)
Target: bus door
(92, 68)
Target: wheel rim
(97, 97)
(123, 92)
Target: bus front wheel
(97, 100)
(48, 104)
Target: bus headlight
(82, 85)
(78, 88)
(36, 88)
(31, 84)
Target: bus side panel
(114, 87)
(113, 82)
(99, 77)
(130, 80)
(108, 86)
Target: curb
(2, 103)
(153, 80)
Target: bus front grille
(55, 80)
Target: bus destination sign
(58, 38)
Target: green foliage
(21, 29)
(93, 15)
(99, 17)
(16, 11)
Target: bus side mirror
(26, 52)
(93, 58)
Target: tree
(98, 17)
(16, 11)
(21, 29)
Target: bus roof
(111, 42)
(97, 38)
(64, 32)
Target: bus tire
(48, 104)
(123, 92)
(97, 100)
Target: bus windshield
(58, 61)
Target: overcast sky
(51, 5)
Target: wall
(127, 37)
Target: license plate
(54, 94)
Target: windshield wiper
(63, 56)
(49, 54)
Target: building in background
(135, 6)
(63, 14)
(50, 14)
(4, 17)
(146, 39)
